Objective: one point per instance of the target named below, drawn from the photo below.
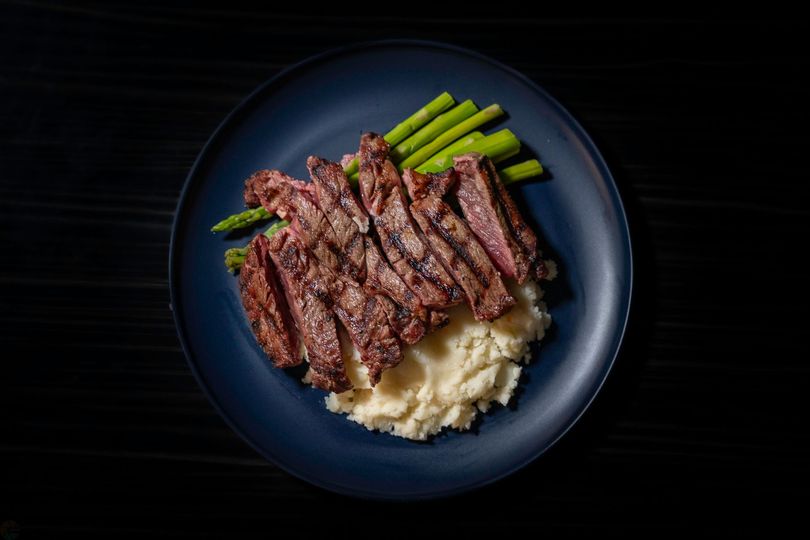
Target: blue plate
(321, 106)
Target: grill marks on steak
(332, 185)
(266, 306)
(365, 319)
(524, 235)
(293, 200)
(409, 255)
(378, 177)
(362, 315)
(459, 251)
(405, 313)
(480, 201)
(348, 220)
(310, 303)
(423, 185)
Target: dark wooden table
(103, 109)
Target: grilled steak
(480, 201)
(524, 235)
(290, 199)
(409, 255)
(459, 251)
(266, 306)
(405, 313)
(378, 176)
(347, 217)
(251, 199)
(310, 304)
(364, 317)
(422, 185)
(260, 177)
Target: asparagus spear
(235, 257)
(242, 219)
(481, 117)
(439, 125)
(404, 129)
(521, 171)
(458, 145)
(498, 146)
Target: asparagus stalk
(458, 145)
(242, 219)
(404, 129)
(235, 257)
(521, 171)
(275, 227)
(446, 138)
(498, 146)
(439, 125)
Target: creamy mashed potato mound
(445, 379)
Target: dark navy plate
(321, 106)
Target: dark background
(103, 109)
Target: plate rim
(601, 165)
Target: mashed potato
(445, 379)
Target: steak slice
(266, 306)
(524, 235)
(422, 185)
(409, 255)
(260, 177)
(310, 304)
(405, 313)
(365, 318)
(344, 213)
(378, 177)
(459, 251)
(480, 201)
(280, 194)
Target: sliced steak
(364, 317)
(405, 312)
(459, 251)
(260, 177)
(406, 250)
(344, 213)
(251, 199)
(266, 306)
(310, 304)
(378, 177)
(422, 185)
(290, 199)
(524, 235)
(480, 201)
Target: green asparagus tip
(235, 258)
(242, 219)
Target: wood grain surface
(104, 107)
